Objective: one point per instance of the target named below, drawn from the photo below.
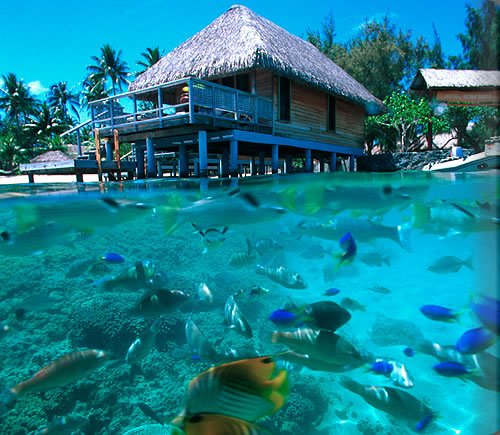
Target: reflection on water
(165, 279)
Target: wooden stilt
(117, 155)
(97, 140)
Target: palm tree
(45, 124)
(109, 66)
(16, 101)
(151, 56)
(62, 98)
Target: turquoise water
(58, 295)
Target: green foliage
(481, 39)
(108, 66)
(11, 154)
(151, 56)
(404, 123)
(64, 100)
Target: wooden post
(203, 153)
(253, 166)
(274, 159)
(150, 155)
(224, 173)
(117, 155)
(139, 152)
(321, 164)
(233, 157)
(98, 153)
(333, 162)
(109, 150)
(352, 160)
(289, 164)
(79, 141)
(262, 163)
(183, 162)
(308, 165)
(429, 135)
(31, 177)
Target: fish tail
(8, 399)
(280, 389)
(404, 235)
(350, 384)
(421, 215)
(287, 199)
(468, 263)
(170, 216)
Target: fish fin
(404, 236)
(224, 230)
(170, 216)
(281, 388)
(250, 199)
(27, 216)
(205, 423)
(8, 399)
(468, 263)
(421, 215)
(287, 199)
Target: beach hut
(242, 91)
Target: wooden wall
(309, 113)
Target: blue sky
(47, 42)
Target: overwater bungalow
(241, 93)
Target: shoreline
(47, 179)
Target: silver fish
(198, 343)
(234, 318)
(450, 264)
(204, 293)
(141, 347)
(282, 276)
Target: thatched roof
(456, 79)
(240, 40)
(51, 156)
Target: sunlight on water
(170, 278)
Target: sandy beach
(47, 179)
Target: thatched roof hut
(51, 156)
(428, 78)
(239, 41)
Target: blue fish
(283, 317)
(331, 292)
(437, 312)
(422, 424)
(451, 368)
(488, 313)
(382, 367)
(474, 341)
(111, 257)
(348, 244)
(408, 351)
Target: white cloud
(37, 88)
(376, 18)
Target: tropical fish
(451, 368)
(65, 370)
(257, 290)
(216, 424)
(375, 259)
(331, 292)
(475, 340)
(394, 370)
(380, 289)
(142, 345)
(348, 244)
(235, 354)
(66, 425)
(157, 302)
(363, 230)
(199, 345)
(225, 210)
(487, 310)
(352, 304)
(393, 401)
(282, 276)
(284, 317)
(112, 257)
(245, 390)
(212, 237)
(323, 346)
(141, 275)
(266, 245)
(409, 352)
(234, 318)
(437, 312)
(35, 239)
(426, 421)
(204, 293)
(450, 264)
(84, 216)
(243, 258)
(325, 315)
(149, 412)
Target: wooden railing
(186, 101)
